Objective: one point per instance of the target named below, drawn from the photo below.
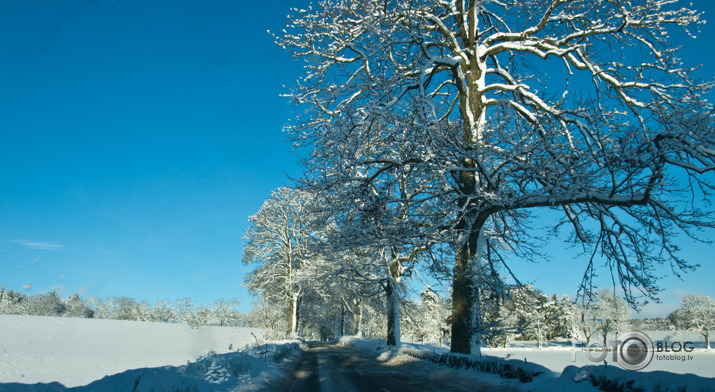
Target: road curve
(329, 368)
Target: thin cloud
(38, 245)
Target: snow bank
(541, 378)
(612, 378)
(699, 362)
(76, 352)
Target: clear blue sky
(137, 137)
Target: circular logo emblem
(635, 350)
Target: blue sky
(137, 137)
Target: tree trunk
(293, 312)
(299, 325)
(605, 327)
(466, 311)
(393, 314)
(357, 317)
(466, 308)
(706, 335)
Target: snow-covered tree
(201, 316)
(124, 308)
(162, 312)
(486, 110)
(531, 308)
(225, 313)
(265, 315)
(527, 314)
(46, 305)
(373, 271)
(563, 318)
(278, 240)
(501, 322)
(696, 313)
(99, 307)
(431, 316)
(184, 310)
(372, 236)
(75, 306)
(612, 315)
(537, 319)
(12, 302)
(587, 323)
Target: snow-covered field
(125, 355)
(75, 351)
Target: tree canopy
(459, 118)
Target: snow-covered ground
(109, 355)
(556, 371)
(700, 362)
(76, 352)
(556, 356)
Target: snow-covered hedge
(507, 368)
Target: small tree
(46, 305)
(12, 302)
(184, 310)
(532, 309)
(162, 312)
(277, 240)
(612, 314)
(587, 323)
(76, 307)
(225, 312)
(124, 308)
(431, 315)
(696, 313)
(563, 319)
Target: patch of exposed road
(330, 368)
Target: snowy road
(330, 368)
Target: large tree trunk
(466, 311)
(293, 312)
(466, 308)
(393, 314)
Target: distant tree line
(222, 312)
(15, 302)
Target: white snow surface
(558, 372)
(110, 355)
(76, 352)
